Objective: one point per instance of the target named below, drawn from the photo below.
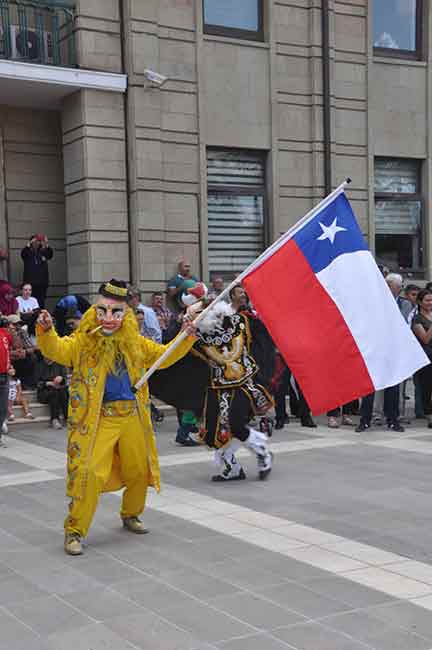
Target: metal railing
(38, 31)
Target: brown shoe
(134, 525)
(72, 544)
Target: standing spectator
(52, 390)
(216, 287)
(35, 257)
(26, 302)
(5, 346)
(422, 328)
(8, 302)
(149, 325)
(177, 285)
(163, 314)
(334, 414)
(66, 305)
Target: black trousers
(25, 371)
(57, 399)
(39, 291)
(4, 397)
(391, 406)
(302, 408)
(424, 379)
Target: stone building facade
(261, 112)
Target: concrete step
(40, 419)
(36, 408)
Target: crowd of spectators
(160, 320)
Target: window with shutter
(236, 210)
(398, 213)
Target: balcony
(38, 58)
(37, 31)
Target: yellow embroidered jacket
(86, 396)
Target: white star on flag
(330, 232)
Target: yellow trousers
(125, 432)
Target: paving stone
(370, 630)
(257, 642)
(302, 600)
(47, 615)
(93, 637)
(17, 589)
(406, 615)
(14, 635)
(154, 595)
(200, 585)
(150, 632)
(207, 623)
(256, 611)
(106, 570)
(102, 604)
(312, 636)
(347, 592)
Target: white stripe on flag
(389, 348)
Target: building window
(236, 210)
(239, 19)
(397, 28)
(398, 214)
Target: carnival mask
(110, 314)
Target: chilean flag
(330, 312)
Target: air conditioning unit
(25, 45)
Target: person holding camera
(35, 257)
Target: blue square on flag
(333, 232)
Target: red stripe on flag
(308, 329)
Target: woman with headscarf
(8, 302)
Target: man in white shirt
(26, 302)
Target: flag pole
(269, 251)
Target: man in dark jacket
(35, 257)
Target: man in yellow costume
(111, 442)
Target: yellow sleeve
(60, 350)
(152, 351)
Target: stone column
(95, 188)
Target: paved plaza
(334, 552)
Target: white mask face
(110, 314)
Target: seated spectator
(422, 328)
(28, 308)
(72, 321)
(8, 302)
(52, 390)
(16, 396)
(23, 352)
(163, 314)
(26, 302)
(64, 306)
(178, 284)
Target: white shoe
(230, 468)
(4, 428)
(258, 443)
(30, 416)
(56, 424)
(11, 418)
